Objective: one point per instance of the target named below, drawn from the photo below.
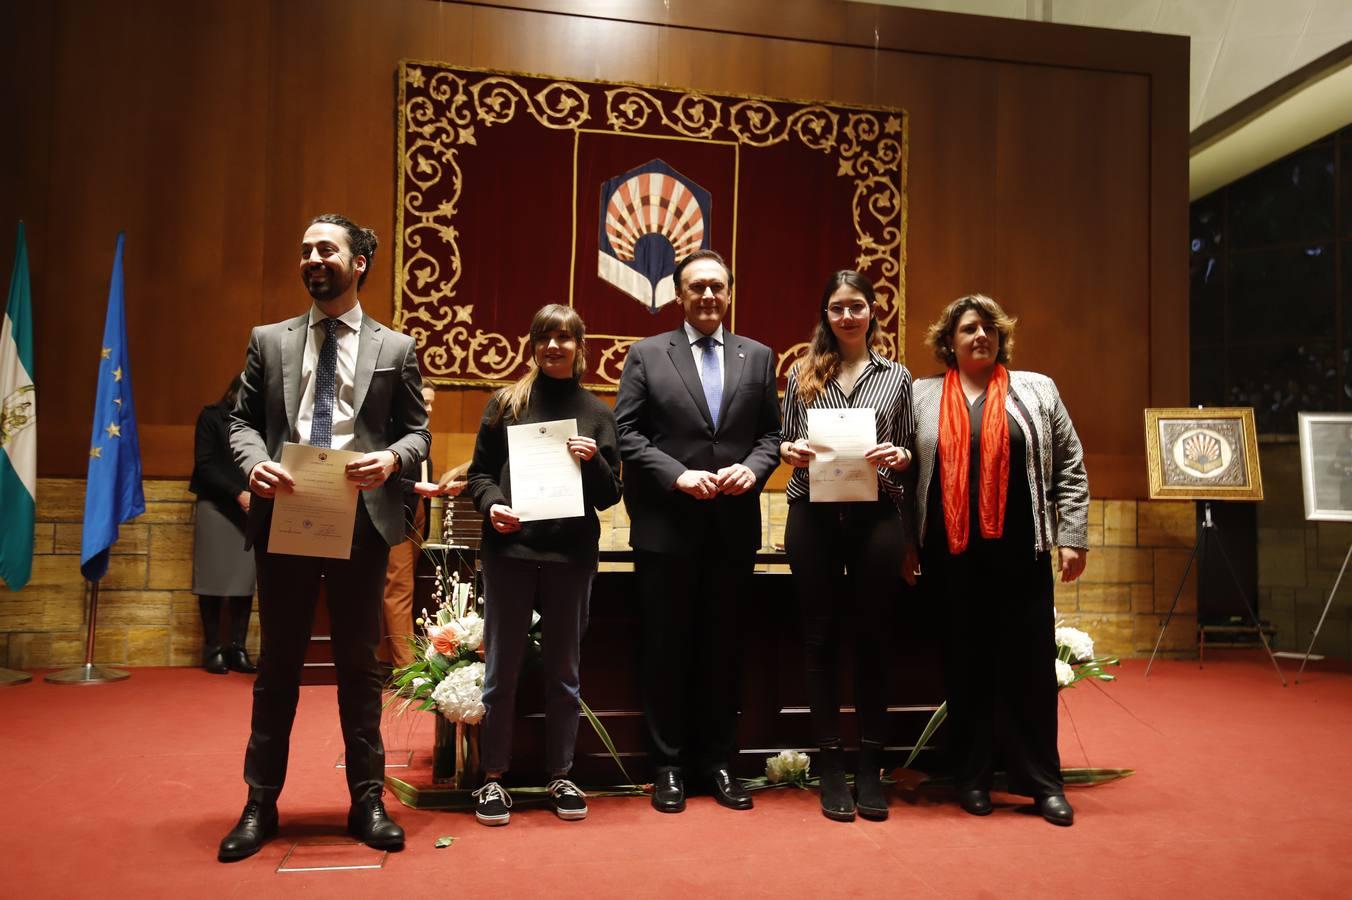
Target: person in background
(222, 570)
(861, 541)
(1001, 486)
(549, 563)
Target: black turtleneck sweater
(551, 540)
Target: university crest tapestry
(520, 190)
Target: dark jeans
(512, 588)
(845, 555)
(999, 665)
(288, 587)
(690, 662)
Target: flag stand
(89, 673)
(9, 677)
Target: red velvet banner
(521, 190)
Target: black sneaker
(567, 799)
(494, 804)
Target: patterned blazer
(1056, 475)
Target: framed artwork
(1202, 454)
(1326, 465)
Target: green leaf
(444, 841)
(1089, 776)
(605, 738)
(930, 727)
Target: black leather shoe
(728, 791)
(668, 791)
(868, 783)
(368, 823)
(1056, 810)
(256, 826)
(237, 659)
(214, 661)
(976, 801)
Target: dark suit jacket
(387, 398)
(215, 476)
(665, 428)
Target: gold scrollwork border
(870, 145)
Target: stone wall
(1299, 560)
(148, 615)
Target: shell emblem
(651, 217)
(1202, 453)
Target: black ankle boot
(868, 782)
(837, 803)
(214, 661)
(237, 659)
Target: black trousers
(690, 664)
(845, 556)
(999, 665)
(288, 587)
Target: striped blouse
(885, 387)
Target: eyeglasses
(856, 310)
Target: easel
(1209, 533)
(1314, 637)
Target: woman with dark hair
(221, 568)
(864, 541)
(996, 454)
(549, 563)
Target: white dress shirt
(344, 415)
(693, 334)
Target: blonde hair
(513, 399)
(939, 336)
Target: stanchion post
(89, 673)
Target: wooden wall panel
(1047, 167)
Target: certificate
(546, 478)
(316, 518)
(839, 473)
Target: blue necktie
(326, 383)
(712, 376)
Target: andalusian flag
(113, 489)
(18, 427)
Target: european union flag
(113, 490)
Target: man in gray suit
(331, 377)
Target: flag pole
(89, 673)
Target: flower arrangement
(789, 767)
(447, 672)
(1075, 659)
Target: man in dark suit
(698, 422)
(331, 377)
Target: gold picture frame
(1202, 454)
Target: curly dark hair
(939, 336)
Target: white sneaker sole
(571, 815)
(493, 820)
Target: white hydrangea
(1065, 675)
(789, 765)
(1081, 645)
(469, 631)
(460, 695)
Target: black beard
(330, 287)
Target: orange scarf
(955, 458)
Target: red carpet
(1243, 789)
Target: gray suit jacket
(387, 398)
(1056, 475)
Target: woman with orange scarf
(1000, 482)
